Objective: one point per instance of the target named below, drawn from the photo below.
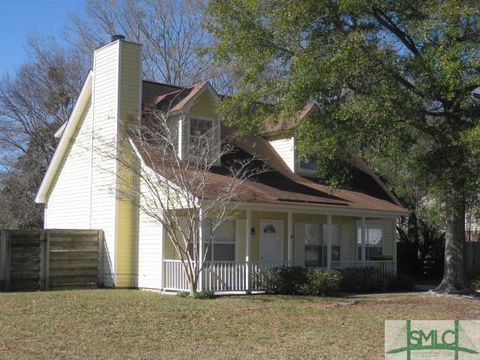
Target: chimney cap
(116, 37)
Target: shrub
(321, 282)
(287, 281)
(298, 281)
(476, 284)
(183, 294)
(399, 282)
(204, 295)
(361, 279)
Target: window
(373, 242)
(316, 244)
(222, 247)
(313, 245)
(309, 164)
(199, 128)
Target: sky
(20, 18)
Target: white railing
(175, 277)
(224, 276)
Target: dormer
(191, 113)
(281, 135)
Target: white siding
(150, 250)
(105, 97)
(286, 149)
(69, 201)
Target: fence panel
(473, 259)
(35, 259)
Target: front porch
(252, 241)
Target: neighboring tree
(421, 248)
(34, 103)
(183, 195)
(173, 42)
(392, 79)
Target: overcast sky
(19, 18)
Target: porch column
(248, 233)
(290, 238)
(162, 260)
(200, 249)
(364, 239)
(329, 242)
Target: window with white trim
(315, 239)
(222, 247)
(373, 242)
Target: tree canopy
(396, 83)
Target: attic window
(309, 164)
(269, 229)
(201, 132)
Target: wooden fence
(42, 259)
(473, 259)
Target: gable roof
(66, 132)
(176, 100)
(280, 185)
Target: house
(286, 218)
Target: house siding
(69, 201)
(286, 149)
(129, 108)
(105, 102)
(150, 246)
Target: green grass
(124, 324)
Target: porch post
(329, 242)
(248, 233)
(364, 239)
(162, 259)
(200, 249)
(290, 238)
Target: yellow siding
(130, 84)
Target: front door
(271, 240)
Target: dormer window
(202, 136)
(309, 164)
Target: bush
(361, 279)
(399, 282)
(298, 281)
(321, 282)
(287, 281)
(204, 295)
(476, 284)
(197, 295)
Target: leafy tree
(395, 80)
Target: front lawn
(121, 324)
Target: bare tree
(185, 194)
(169, 30)
(34, 102)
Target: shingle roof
(277, 186)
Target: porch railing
(224, 276)
(175, 277)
